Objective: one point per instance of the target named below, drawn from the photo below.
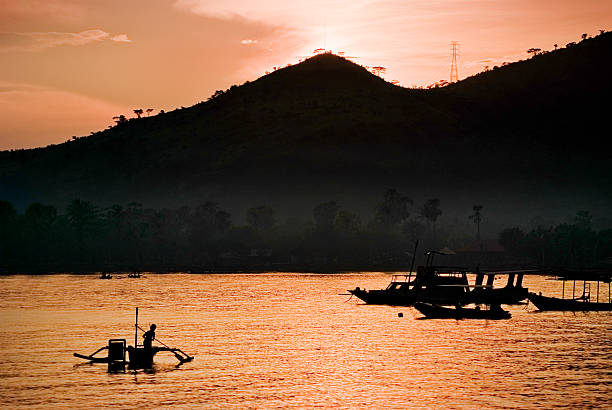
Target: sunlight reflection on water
(290, 341)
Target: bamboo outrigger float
(138, 356)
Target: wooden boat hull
(141, 357)
(407, 297)
(384, 297)
(138, 357)
(440, 312)
(545, 303)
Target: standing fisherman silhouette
(148, 337)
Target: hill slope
(328, 129)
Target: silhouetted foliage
(476, 218)
(534, 51)
(347, 222)
(83, 219)
(393, 210)
(325, 215)
(120, 119)
(574, 245)
(261, 218)
(430, 211)
(128, 237)
(512, 239)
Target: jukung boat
(432, 311)
(583, 303)
(138, 356)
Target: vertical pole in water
(136, 330)
(597, 291)
(574, 290)
(563, 290)
(413, 257)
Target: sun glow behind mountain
(165, 54)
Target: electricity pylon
(454, 75)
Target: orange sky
(68, 66)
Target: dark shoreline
(200, 271)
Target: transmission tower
(454, 75)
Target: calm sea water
(290, 341)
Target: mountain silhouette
(530, 134)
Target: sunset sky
(68, 66)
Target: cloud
(121, 38)
(36, 41)
(270, 10)
(248, 41)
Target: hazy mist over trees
(85, 237)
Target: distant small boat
(495, 312)
(106, 275)
(134, 274)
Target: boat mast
(416, 245)
(136, 330)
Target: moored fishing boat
(583, 303)
(432, 284)
(579, 304)
(432, 311)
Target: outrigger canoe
(138, 356)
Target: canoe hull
(547, 303)
(440, 312)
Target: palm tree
(138, 112)
(476, 217)
(431, 212)
(149, 111)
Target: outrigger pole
(176, 351)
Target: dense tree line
(85, 237)
(573, 245)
